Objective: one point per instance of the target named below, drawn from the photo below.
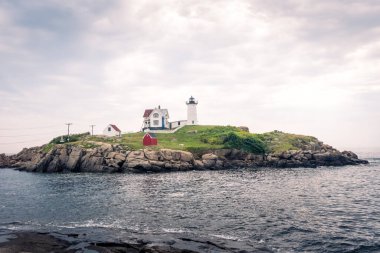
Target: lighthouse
(192, 111)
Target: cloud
(291, 65)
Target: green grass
(201, 138)
(198, 139)
(277, 141)
(47, 147)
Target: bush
(216, 135)
(247, 142)
(233, 137)
(73, 138)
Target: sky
(298, 66)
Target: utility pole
(92, 129)
(68, 131)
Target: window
(109, 129)
(155, 115)
(155, 122)
(193, 121)
(179, 123)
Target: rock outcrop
(29, 241)
(4, 160)
(114, 158)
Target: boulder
(139, 154)
(166, 154)
(5, 161)
(186, 156)
(209, 156)
(73, 161)
(152, 155)
(222, 152)
(208, 163)
(255, 157)
(350, 154)
(199, 165)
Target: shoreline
(110, 158)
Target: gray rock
(152, 155)
(209, 157)
(109, 158)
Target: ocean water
(327, 209)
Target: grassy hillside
(277, 141)
(202, 138)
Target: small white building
(179, 123)
(156, 119)
(112, 130)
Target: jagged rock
(209, 160)
(222, 152)
(219, 164)
(209, 163)
(350, 154)
(73, 160)
(186, 156)
(140, 164)
(4, 161)
(113, 158)
(255, 157)
(209, 157)
(157, 163)
(152, 155)
(198, 164)
(139, 154)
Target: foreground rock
(113, 158)
(43, 242)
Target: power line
(7, 143)
(28, 128)
(25, 135)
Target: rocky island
(190, 148)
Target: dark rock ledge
(37, 242)
(113, 158)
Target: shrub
(73, 138)
(247, 142)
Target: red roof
(115, 127)
(152, 135)
(147, 112)
(149, 140)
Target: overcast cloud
(309, 67)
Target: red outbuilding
(150, 139)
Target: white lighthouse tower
(192, 111)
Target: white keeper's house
(157, 119)
(112, 130)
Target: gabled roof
(153, 135)
(115, 127)
(147, 112)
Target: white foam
(227, 237)
(174, 230)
